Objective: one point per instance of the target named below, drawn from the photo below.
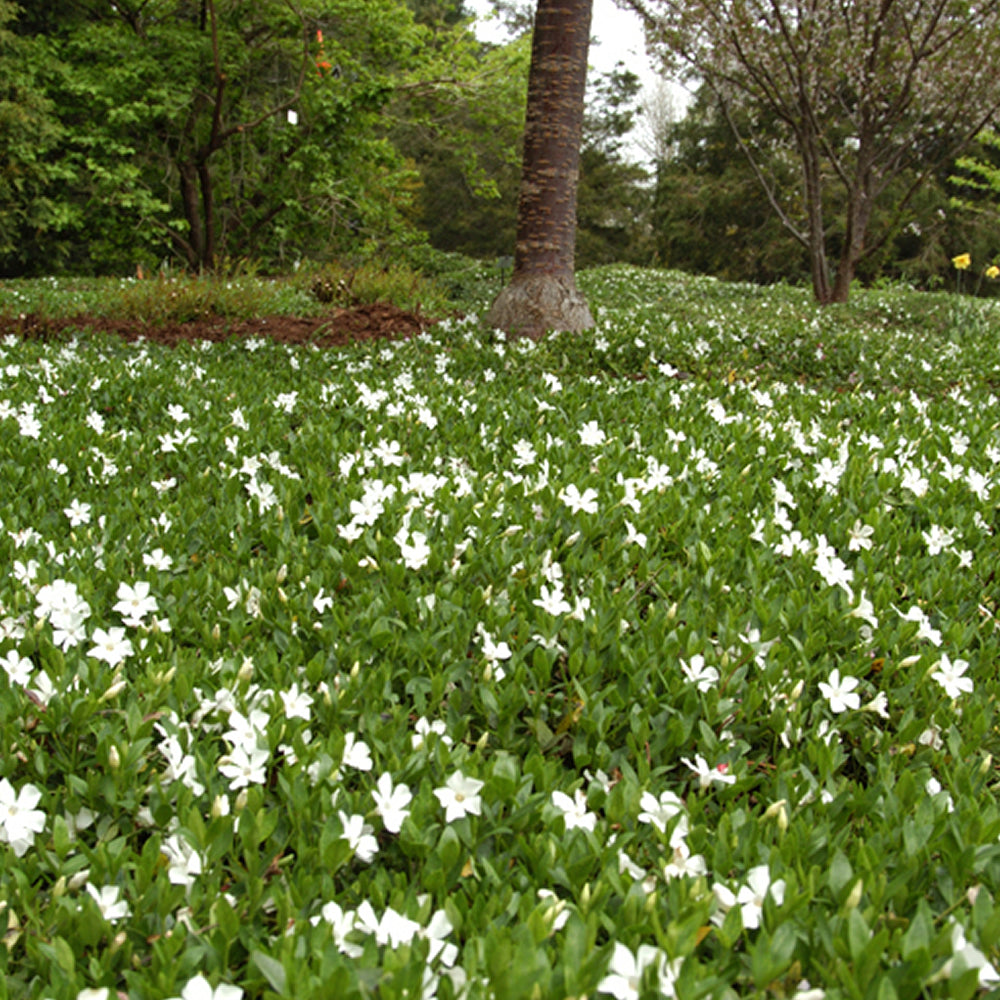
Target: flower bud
(851, 903)
(282, 574)
(241, 800)
(112, 692)
(114, 759)
(986, 765)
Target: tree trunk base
(533, 304)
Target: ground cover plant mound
(659, 660)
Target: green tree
(707, 214)
(219, 129)
(865, 92)
(29, 133)
(465, 143)
(613, 197)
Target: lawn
(660, 660)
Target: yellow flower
(962, 262)
(992, 272)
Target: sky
(616, 36)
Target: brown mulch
(375, 321)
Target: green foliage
(612, 212)
(247, 584)
(223, 133)
(468, 154)
(29, 135)
(708, 215)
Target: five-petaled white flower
(591, 434)
(19, 819)
(659, 811)
(840, 693)
(460, 797)
(950, 676)
(415, 552)
(577, 501)
(574, 810)
(110, 645)
(244, 766)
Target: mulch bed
(375, 321)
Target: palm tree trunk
(542, 294)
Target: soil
(375, 321)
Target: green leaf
(272, 970)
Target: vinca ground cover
(656, 661)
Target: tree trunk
(812, 186)
(859, 204)
(195, 243)
(542, 294)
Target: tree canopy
(861, 91)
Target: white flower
(460, 797)
(157, 559)
(706, 774)
(949, 676)
(184, 861)
(659, 811)
(577, 501)
(704, 678)
(574, 810)
(682, 862)
(244, 767)
(553, 601)
(19, 819)
(591, 434)
(938, 539)
(840, 692)
(359, 835)
(391, 802)
(296, 703)
(625, 971)
(972, 958)
(393, 929)
(109, 902)
(861, 536)
(134, 603)
(750, 898)
(633, 537)
(110, 645)
(424, 728)
(416, 552)
(199, 988)
(924, 628)
(357, 753)
(78, 513)
(17, 667)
